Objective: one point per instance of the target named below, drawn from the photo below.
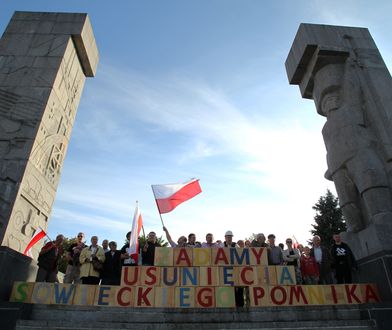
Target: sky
(197, 88)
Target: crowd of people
(95, 264)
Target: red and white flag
(295, 245)
(168, 196)
(38, 235)
(136, 228)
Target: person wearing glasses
(291, 257)
(72, 273)
(148, 250)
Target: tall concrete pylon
(341, 69)
(44, 61)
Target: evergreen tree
(329, 219)
(63, 261)
(143, 239)
(251, 237)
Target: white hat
(229, 233)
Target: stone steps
(95, 317)
(320, 325)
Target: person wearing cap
(275, 254)
(238, 290)
(259, 241)
(228, 242)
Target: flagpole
(159, 211)
(46, 234)
(160, 215)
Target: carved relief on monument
(18, 117)
(55, 129)
(25, 221)
(69, 83)
(42, 73)
(38, 193)
(48, 152)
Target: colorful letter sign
(199, 278)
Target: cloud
(215, 126)
(255, 166)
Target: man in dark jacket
(48, 259)
(148, 250)
(111, 274)
(342, 260)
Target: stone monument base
(14, 266)
(372, 247)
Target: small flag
(137, 225)
(38, 235)
(168, 196)
(295, 245)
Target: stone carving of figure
(354, 153)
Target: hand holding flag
(38, 235)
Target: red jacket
(309, 266)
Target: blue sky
(198, 89)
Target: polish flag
(168, 196)
(38, 235)
(295, 245)
(137, 225)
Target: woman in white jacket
(94, 252)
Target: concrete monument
(341, 69)
(44, 61)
